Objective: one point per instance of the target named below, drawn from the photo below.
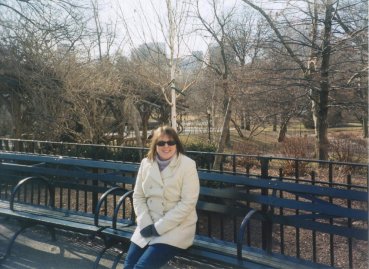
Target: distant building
(147, 51)
(191, 62)
(63, 49)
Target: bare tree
(164, 74)
(311, 51)
(353, 20)
(104, 34)
(30, 33)
(220, 61)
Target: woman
(164, 200)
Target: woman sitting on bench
(165, 196)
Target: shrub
(347, 148)
(203, 160)
(200, 146)
(296, 147)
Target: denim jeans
(149, 257)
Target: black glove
(154, 231)
(149, 231)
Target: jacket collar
(154, 171)
(169, 170)
(175, 161)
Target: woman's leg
(133, 255)
(157, 255)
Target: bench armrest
(122, 199)
(103, 199)
(34, 178)
(242, 230)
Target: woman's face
(166, 147)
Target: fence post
(266, 229)
(95, 193)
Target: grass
(266, 142)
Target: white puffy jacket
(168, 200)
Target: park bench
(237, 196)
(31, 200)
(224, 198)
(47, 215)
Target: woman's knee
(133, 255)
(156, 256)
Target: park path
(34, 249)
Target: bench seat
(214, 251)
(52, 218)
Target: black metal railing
(328, 173)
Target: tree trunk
(172, 33)
(226, 108)
(322, 143)
(365, 126)
(247, 123)
(223, 135)
(275, 124)
(145, 123)
(134, 119)
(16, 114)
(243, 120)
(237, 127)
(283, 130)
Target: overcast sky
(141, 18)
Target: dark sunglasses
(169, 143)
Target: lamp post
(208, 111)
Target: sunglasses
(169, 143)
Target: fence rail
(328, 173)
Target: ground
(34, 249)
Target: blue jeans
(149, 257)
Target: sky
(141, 18)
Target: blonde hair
(168, 131)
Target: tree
(353, 20)
(311, 47)
(30, 32)
(216, 28)
(163, 74)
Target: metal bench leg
(109, 242)
(98, 258)
(117, 259)
(124, 246)
(11, 242)
(52, 232)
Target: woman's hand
(149, 231)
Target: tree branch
(279, 35)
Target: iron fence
(329, 173)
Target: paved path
(34, 249)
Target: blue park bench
(39, 190)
